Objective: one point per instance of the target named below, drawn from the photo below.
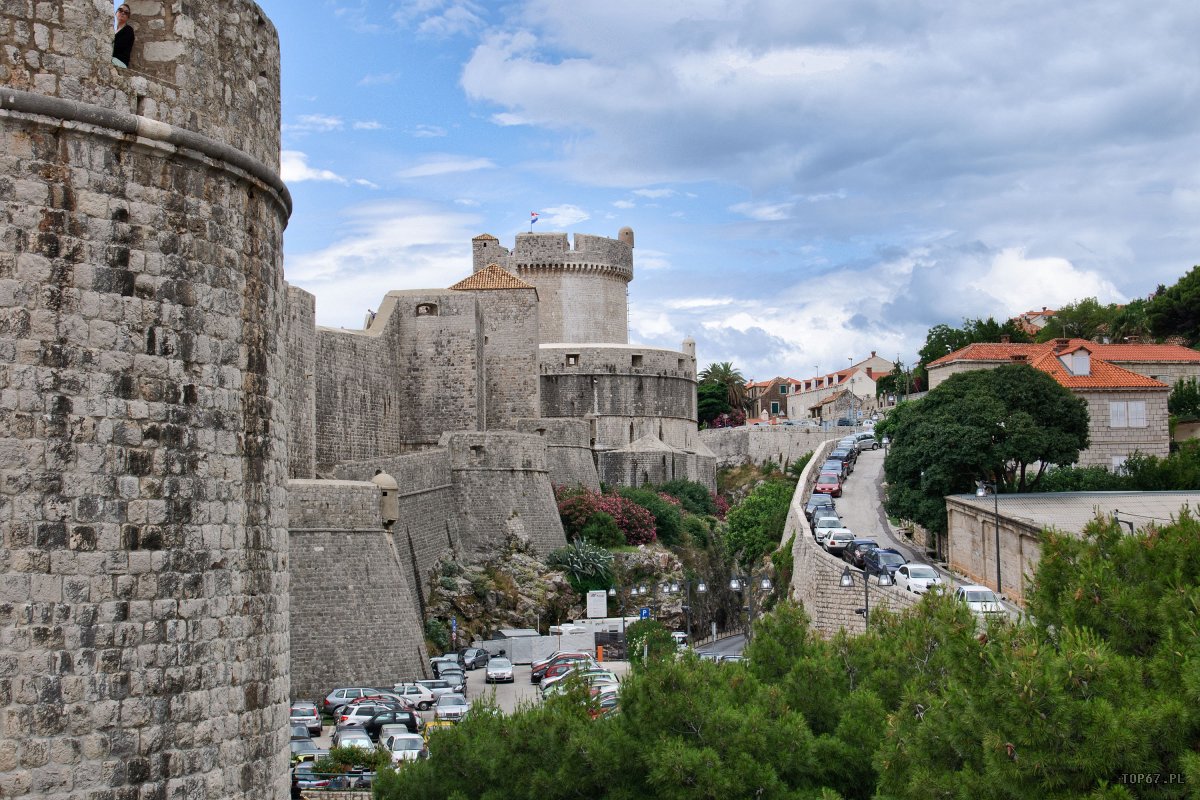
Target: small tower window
(572, 359)
(427, 310)
(637, 361)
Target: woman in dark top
(123, 39)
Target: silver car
(451, 707)
(917, 578)
(498, 670)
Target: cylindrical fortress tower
(583, 292)
(143, 574)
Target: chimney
(1043, 309)
(1061, 344)
(869, 369)
(1005, 339)
(872, 354)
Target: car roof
(975, 587)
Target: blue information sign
(644, 613)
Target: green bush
(437, 633)
(697, 530)
(1184, 401)
(756, 524)
(695, 497)
(649, 636)
(668, 521)
(602, 530)
(796, 467)
(783, 561)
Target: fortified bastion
(143, 509)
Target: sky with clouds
(807, 182)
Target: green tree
(649, 638)
(712, 400)
(602, 530)
(796, 467)
(756, 524)
(1184, 401)
(696, 497)
(1175, 310)
(586, 565)
(941, 340)
(1083, 319)
(986, 424)
(723, 373)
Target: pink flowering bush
(577, 505)
(721, 503)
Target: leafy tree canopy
(1184, 401)
(1083, 319)
(712, 400)
(986, 424)
(942, 339)
(756, 524)
(1175, 310)
(723, 373)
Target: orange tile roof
(1103, 374)
(490, 277)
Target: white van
(680, 639)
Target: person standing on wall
(123, 38)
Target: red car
(828, 483)
(541, 669)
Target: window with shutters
(1137, 413)
(1118, 415)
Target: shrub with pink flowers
(721, 503)
(577, 505)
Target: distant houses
(821, 397)
(1125, 385)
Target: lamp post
(674, 587)
(982, 489)
(886, 442)
(847, 581)
(737, 583)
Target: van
(680, 639)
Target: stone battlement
(552, 251)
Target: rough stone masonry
(143, 574)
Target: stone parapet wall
(301, 399)
(972, 548)
(816, 574)
(205, 67)
(781, 444)
(510, 349)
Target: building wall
(1169, 372)
(510, 356)
(971, 545)
(142, 449)
(941, 373)
(353, 618)
(1108, 442)
(781, 444)
(397, 385)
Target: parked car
(853, 553)
(837, 540)
(538, 668)
(473, 657)
(816, 501)
(828, 483)
(303, 775)
(708, 655)
(357, 714)
(340, 697)
(437, 662)
(591, 677)
(353, 736)
(917, 578)
(847, 454)
(824, 526)
(305, 750)
(557, 670)
(419, 695)
(867, 441)
(300, 732)
(409, 719)
(498, 670)
(883, 559)
(406, 747)
(838, 466)
(438, 687)
(456, 678)
(306, 713)
(981, 600)
(451, 707)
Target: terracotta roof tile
(1103, 373)
(1145, 352)
(490, 277)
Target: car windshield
(921, 572)
(982, 596)
(827, 479)
(451, 700)
(304, 712)
(499, 663)
(890, 558)
(829, 522)
(415, 743)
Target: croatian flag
(533, 216)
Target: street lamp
(737, 583)
(847, 581)
(673, 588)
(886, 442)
(981, 490)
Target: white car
(498, 670)
(419, 695)
(980, 599)
(837, 540)
(823, 526)
(452, 707)
(405, 747)
(917, 578)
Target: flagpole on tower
(533, 217)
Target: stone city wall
(781, 444)
(301, 363)
(816, 574)
(510, 351)
(353, 616)
(616, 380)
(569, 456)
(142, 431)
(502, 486)
(972, 547)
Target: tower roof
(490, 277)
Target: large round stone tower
(583, 292)
(143, 574)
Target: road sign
(644, 613)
